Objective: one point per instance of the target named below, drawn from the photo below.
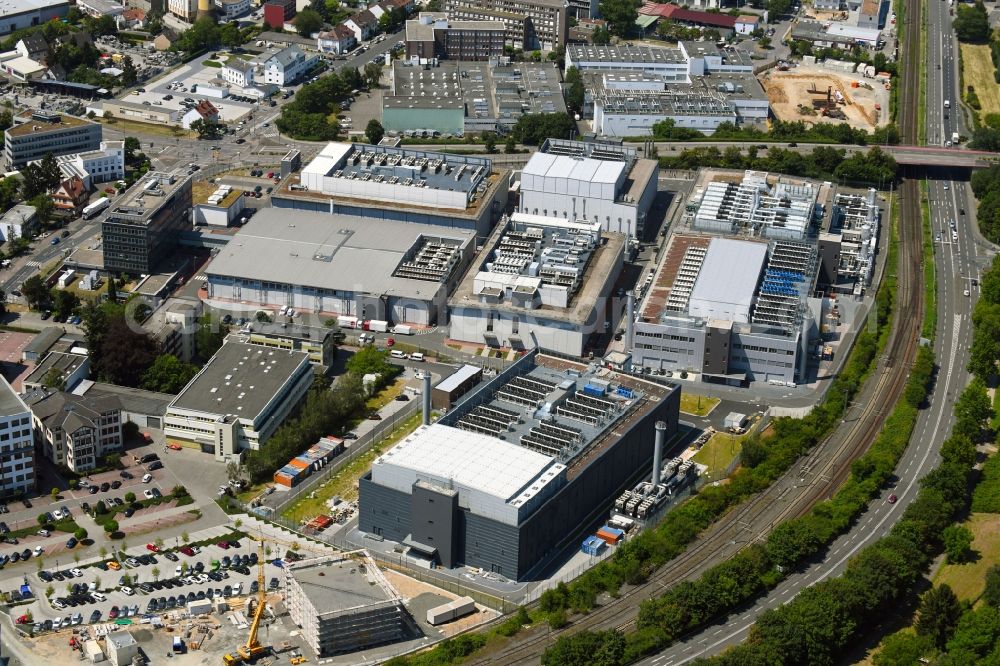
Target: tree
(206, 129)
(490, 141)
(208, 336)
(373, 74)
(124, 353)
(103, 552)
(902, 648)
(939, 613)
(957, 541)
(972, 23)
(54, 380)
(42, 519)
(777, 8)
(307, 22)
(991, 593)
(129, 73)
(534, 128)
(132, 144)
(230, 36)
(80, 534)
(620, 15)
(49, 591)
(510, 146)
(601, 36)
(168, 374)
(44, 207)
(156, 573)
(574, 89)
(129, 497)
(55, 493)
(40, 178)
(374, 131)
(179, 491)
(111, 526)
(64, 302)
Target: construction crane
(249, 651)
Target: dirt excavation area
(816, 94)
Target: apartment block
(530, 24)
(37, 133)
(17, 451)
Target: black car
(95, 616)
(148, 458)
(402, 397)
(129, 512)
(26, 502)
(253, 558)
(3, 528)
(242, 569)
(227, 562)
(59, 575)
(48, 625)
(199, 567)
(26, 554)
(116, 484)
(144, 559)
(93, 490)
(153, 466)
(151, 606)
(254, 587)
(105, 487)
(86, 507)
(146, 587)
(125, 475)
(45, 576)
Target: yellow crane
(249, 651)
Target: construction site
(312, 606)
(815, 94)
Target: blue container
(624, 392)
(593, 546)
(595, 391)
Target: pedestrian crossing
(34, 264)
(200, 277)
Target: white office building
(288, 65)
(17, 449)
(238, 72)
(105, 164)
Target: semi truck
(92, 209)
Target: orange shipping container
(298, 464)
(608, 537)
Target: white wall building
(105, 164)
(17, 445)
(230, 9)
(239, 398)
(76, 431)
(238, 72)
(185, 9)
(583, 181)
(287, 66)
(17, 222)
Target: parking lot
(168, 92)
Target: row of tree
(874, 166)
(310, 116)
(985, 350)
(986, 187)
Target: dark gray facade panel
(491, 545)
(434, 521)
(383, 511)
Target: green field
(969, 579)
(698, 405)
(720, 450)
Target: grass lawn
(995, 424)
(171, 131)
(719, 452)
(211, 63)
(977, 71)
(385, 396)
(698, 405)
(968, 580)
(344, 484)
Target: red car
(892, 499)
(23, 619)
(174, 447)
(114, 612)
(270, 174)
(151, 547)
(224, 545)
(187, 550)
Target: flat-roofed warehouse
(460, 192)
(239, 398)
(520, 468)
(340, 265)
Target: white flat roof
(854, 32)
(728, 280)
(574, 168)
(327, 159)
(453, 381)
(492, 466)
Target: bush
(111, 526)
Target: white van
(99, 596)
(416, 356)
(395, 353)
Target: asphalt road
(957, 263)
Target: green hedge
(986, 497)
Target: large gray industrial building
(520, 468)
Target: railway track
(829, 463)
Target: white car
(58, 605)
(148, 494)
(39, 550)
(177, 570)
(147, 478)
(76, 572)
(203, 578)
(128, 591)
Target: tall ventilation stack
(206, 9)
(427, 398)
(629, 319)
(661, 435)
